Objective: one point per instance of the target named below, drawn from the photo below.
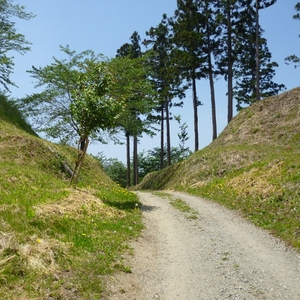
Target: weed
(185, 208)
(179, 204)
(225, 256)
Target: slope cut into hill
(253, 166)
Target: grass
(252, 167)
(56, 241)
(185, 208)
(180, 205)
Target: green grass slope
(253, 167)
(11, 115)
(57, 242)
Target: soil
(218, 255)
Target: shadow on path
(148, 207)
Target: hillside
(253, 167)
(11, 115)
(57, 241)
(274, 121)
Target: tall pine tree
(259, 4)
(209, 47)
(190, 58)
(228, 17)
(165, 78)
(254, 68)
(132, 122)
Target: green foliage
(183, 138)
(85, 95)
(150, 161)
(188, 37)
(297, 8)
(246, 65)
(140, 100)
(165, 76)
(77, 100)
(190, 54)
(132, 50)
(91, 107)
(132, 86)
(74, 102)
(114, 168)
(11, 40)
(164, 72)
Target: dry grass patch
(36, 255)
(79, 202)
(256, 182)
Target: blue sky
(104, 26)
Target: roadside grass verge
(56, 241)
(266, 191)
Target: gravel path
(216, 256)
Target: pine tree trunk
(257, 53)
(128, 158)
(162, 138)
(230, 65)
(213, 107)
(195, 107)
(135, 161)
(168, 134)
(212, 90)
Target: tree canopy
(140, 97)
(295, 59)
(74, 101)
(11, 40)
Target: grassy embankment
(57, 242)
(252, 167)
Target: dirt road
(218, 255)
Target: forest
(87, 96)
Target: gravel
(216, 256)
